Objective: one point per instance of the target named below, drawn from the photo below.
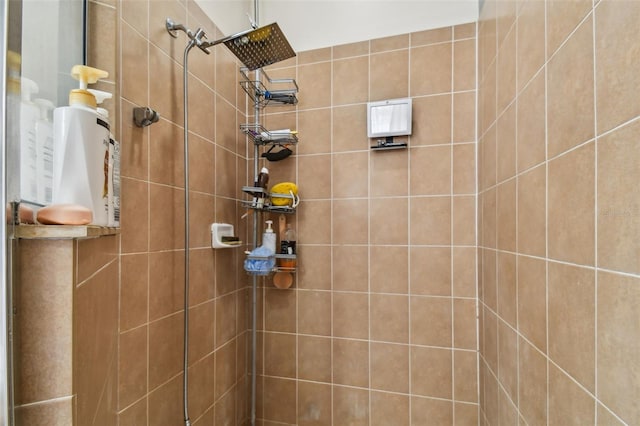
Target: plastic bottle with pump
(29, 115)
(112, 162)
(269, 238)
(80, 138)
(44, 150)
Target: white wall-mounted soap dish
(222, 236)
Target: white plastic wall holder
(219, 230)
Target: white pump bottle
(81, 141)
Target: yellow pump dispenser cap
(85, 75)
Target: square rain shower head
(260, 47)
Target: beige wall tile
(390, 367)
(314, 404)
(389, 408)
(135, 153)
(225, 315)
(464, 117)
(351, 49)
(314, 313)
(225, 368)
(351, 315)
(315, 55)
(532, 212)
(431, 372)
(463, 169)
(279, 353)
(427, 410)
(351, 362)
(59, 411)
(604, 417)
(351, 225)
(316, 80)
(430, 220)
(134, 284)
(532, 304)
(314, 225)
(389, 269)
(616, 39)
(531, 46)
(437, 35)
(430, 271)
(350, 128)
(431, 69)
(572, 321)
(134, 224)
(506, 144)
(350, 80)
(490, 331)
(351, 268)
(508, 359)
(531, 124)
(389, 75)
(464, 271)
(464, 65)
(430, 170)
(386, 229)
(201, 332)
(431, 116)
(466, 414)
(390, 43)
(275, 391)
(281, 305)
(314, 176)
(431, 321)
(464, 220)
(507, 289)
(618, 347)
(135, 414)
(506, 70)
(463, 31)
(562, 18)
(169, 103)
(166, 156)
(571, 205)
(314, 358)
(568, 403)
(389, 318)
(618, 210)
(532, 384)
(464, 324)
(351, 405)
(166, 286)
(464, 372)
(389, 173)
(165, 349)
(135, 62)
(570, 109)
(313, 126)
(314, 274)
(506, 218)
(350, 175)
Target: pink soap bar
(65, 214)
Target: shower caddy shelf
(261, 136)
(257, 192)
(273, 91)
(276, 268)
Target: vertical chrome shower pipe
(254, 287)
(185, 366)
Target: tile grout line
(595, 219)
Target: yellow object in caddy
(285, 188)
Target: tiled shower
(488, 274)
